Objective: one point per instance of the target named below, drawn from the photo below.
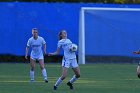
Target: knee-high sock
(31, 75)
(44, 74)
(73, 79)
(58, 82)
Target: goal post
(81, 40)
(81, 52)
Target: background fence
(18, 18)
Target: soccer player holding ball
(69, 59)
(138, 68)
(36, 42)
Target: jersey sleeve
(29, 43)
(43, 41)
(59, 44)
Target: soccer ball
(73, 47)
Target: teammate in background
(36, 42)
(138, 68)
(69, 60)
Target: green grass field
(95, 78)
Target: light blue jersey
(65, 43)
(36, 46)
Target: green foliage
(137, 1)
(13, 58)
(120, 1)
(76, 1)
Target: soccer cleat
(70, 85)
(46, 81)
(55, 88)
(32, 80)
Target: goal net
(108, 31)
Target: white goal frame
(81, 51)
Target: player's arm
(45, 49)
(55, 53)
(44, 45)
(26, 52)
(27, 49)
(136, 52)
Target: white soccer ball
(73, 47)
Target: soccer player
(138, 68)
(36, 42)
(69, 60)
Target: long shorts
(69, 63)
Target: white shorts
(37, 57)
(69, 63)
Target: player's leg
(77, 73)
(60, 79)
(76, 70)
(44, 73)
(138, 71)
(32, 64)
(65, 65)
(74, 78)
